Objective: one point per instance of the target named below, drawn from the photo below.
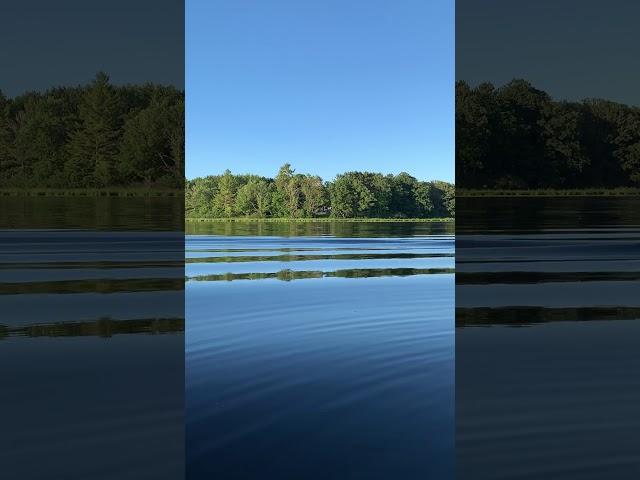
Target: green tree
(359, 194)
(351, 194)
(443, 199)
(93, 145)
(627, 142)
(565, 156)
(423, 201)
(8, 164)
(314, 194)
(288, 192)
(224, 200)
(403, 203)
(343, 197)
(254, 198)
(199, 195)
(152, 146)
(475, 110)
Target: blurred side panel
(92, 240)
(547, 240)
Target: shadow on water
(559, 399)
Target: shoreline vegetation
(319, 220)
(517, 138)
(550, 192)
(291, 196)
(96, 136)
(177, 192)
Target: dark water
(311, 229)
(548, 310)
(91, 342)
(323, 355)
(93, 213)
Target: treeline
(290, 194)
(516, 136)
(92, 136)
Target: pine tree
(93, 145)
(225, 198)
(7, 159)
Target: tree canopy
(517, 136)
(295, 195)
(92, 136)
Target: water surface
(548, 311)
(319, 351)
(91, 339)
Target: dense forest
(93, 136)
(516, 137)
(290, 194)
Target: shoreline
(319, 220)
(582, 192)
(92, 192)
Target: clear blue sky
(326, 85)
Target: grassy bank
(551, 192)
(321, 220)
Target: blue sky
(326, 85)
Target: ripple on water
(349, 376)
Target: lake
(92, 338)
(547, 310)
(319, 350)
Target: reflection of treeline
(302, 257)
(337, 228)
(97, 135)
(516, 316)
(95, 212)
(288, 275)
(93, 286)
(524, 278)
(517, 137)
(101, 328)
(292, 195)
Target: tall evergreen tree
(225, 198)
(93, 145)
(8, 165)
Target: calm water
(91, 340)
(548, 316)
(319, 351)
